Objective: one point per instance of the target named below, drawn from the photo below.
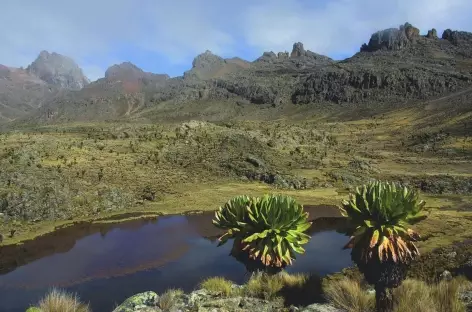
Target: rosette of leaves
(379, 216)
(269, 228)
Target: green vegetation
(270, 229)
(382, 244)
(55, 175)
(60, 301)
(218, 285)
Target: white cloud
(96, 33)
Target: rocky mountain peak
(207, 59)
(124, 70)
(205, 65)
(298, 50)
(58, 70)
(129, 72)
(392, 38)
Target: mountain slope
(25, 90)
(397, 66)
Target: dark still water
(105, 264)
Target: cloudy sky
(163, 36)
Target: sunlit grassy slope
(56, 174)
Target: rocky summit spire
(58, 70)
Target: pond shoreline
(123, 217)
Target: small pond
(105, 264)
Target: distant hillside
(25, 90)
(396, 66)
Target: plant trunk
(383, 299)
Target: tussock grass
(414, 295)
(446, 295)
(218, 285)
(348, 295)
(265, 286)
(417, 296)
(168, 299)
(411, 296)
(61, 301)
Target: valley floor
(55, 175)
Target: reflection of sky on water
(169, 253)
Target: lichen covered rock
(140, 302)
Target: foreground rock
(204, 301)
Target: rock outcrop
(204, 301)
(298, 55)
(392, 38)
(432, 34)
(387, 84)
(457, 37)
(58, 70)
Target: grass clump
(168, 299)
(446, 294)
(60, 301)
(416, 295)
(218, 285)
(348, 295)
(265, 286)
(411, 296)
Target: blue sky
(164, 36)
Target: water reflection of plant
(267, 231)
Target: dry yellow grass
(168, 299)
(218, 285)
(348, 295)
(261, 285)
(60, 301)
(411, 296)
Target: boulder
(140, 302)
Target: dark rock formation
(299, 56)
(432, 34)
(357, 85)
(58, 70)
(457, 37)
(392, 38)
(297, 50)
